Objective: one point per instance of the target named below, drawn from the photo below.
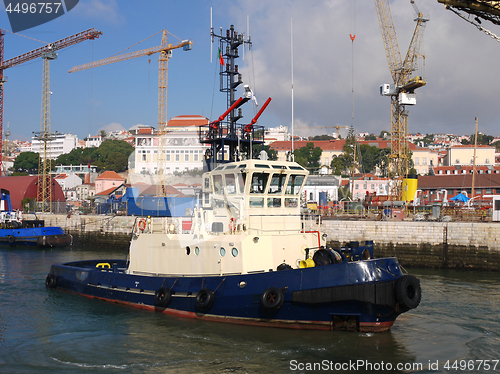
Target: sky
(335, 81)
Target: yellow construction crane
(165, 51)
(485, 9)
(402, 91)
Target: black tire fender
(204, 299)
(51, 281)
(408, 292)
(163, 296)
(11, 239)
(272, 298)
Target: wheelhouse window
(277, 183)
(259, 183)
(230, 184)
(218, 185)
(241, 181)
(294, 184)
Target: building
(85, 191)
(27, 187)
(463, 155)
(279, 133)
(423, 158)
(433, 186)
(107, 180)
(68, 181)
(80, 170)
(183, 148)
(93, 141)
(60, 144)
(316, 184)
(368, 184)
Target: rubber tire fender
(204, 299)
(51, 281)
(11, 239)
(408, 292)
(272, 298)
(163, 296)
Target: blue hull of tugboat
(362, 296)
(35, 236)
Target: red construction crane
(39, 52)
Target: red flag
(221, 60)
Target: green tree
(321, 137)
(383, 134)
(112, 154)
(26, 162)
(371, 137)
(271, 153)
(308, 156)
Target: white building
(68, 181)
(183, 148)
(273, 134)
(60, 144)
(93, 141)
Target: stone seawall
(425, 244)
(418, 244)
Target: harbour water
(456, 329)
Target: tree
(383, 134)
(27, 162)
(112, 154)
(308, 156)
(321, 137)
(371, 137)
(271, 153)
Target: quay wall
(474, 245)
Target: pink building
(107, 180)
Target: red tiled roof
(110, 175)
(187, 120)
(460, 181)
(145, 131)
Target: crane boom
(89, 34)
(163, 49)
(186, 44)
(389, 37)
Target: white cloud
(112, 127)
(101, 9)
(460, 65)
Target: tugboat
(245, 256)
(14, 230)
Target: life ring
(162, 296)
(272, 298)
(51, 281)
(11, 239)
(232, 224)
(407, 291)
(204, 299)
(142, 224)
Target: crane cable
(352, 35)
(480, 28)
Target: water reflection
(457, 318)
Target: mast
(230, 141)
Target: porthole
(197, 251)
(222, 252)
(234, 252)
(188, 250)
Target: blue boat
(245, 255)
(14, 230)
